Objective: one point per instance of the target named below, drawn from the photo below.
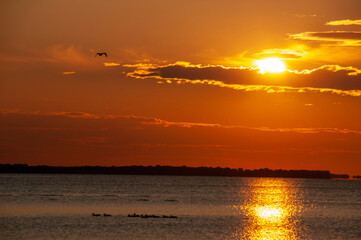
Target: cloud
(143, 121)
(325, 79)
(336, 35)
(281, 53)
(344, 22)
(66, 54)
(303, 15)
(340, 38)
(66, 114)
(165, 123)
(111, 64)
(309, 130)
(351, 71)
(70, 56)
(68, 73)
(61, 130)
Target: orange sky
(181, 84)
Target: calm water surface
(61, 207)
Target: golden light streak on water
(271, 208)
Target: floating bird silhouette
(134, 215)
(101, 54)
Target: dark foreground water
(61, 207)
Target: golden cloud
(68, 73)
(111, 64)
(344, 22)
(281, 53)
(340, 38)
(351, 71)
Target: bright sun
(271, 65)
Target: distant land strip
(170, 170)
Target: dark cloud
(325, 77)
(243, 76)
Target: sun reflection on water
(270, 213)
(271, 209)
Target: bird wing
(100, 54)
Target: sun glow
(271, 65)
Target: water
(61, 207)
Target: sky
(184, 83)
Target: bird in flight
(101, 53)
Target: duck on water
(98, 215)
(150, 216)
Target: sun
(271, 65)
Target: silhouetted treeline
(357, 176)
(168, 170)
(344, 176)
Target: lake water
(36, 206)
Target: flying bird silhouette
(101, 53)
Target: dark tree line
(168, 170)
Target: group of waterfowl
(104, 215)
(136, 215)
(150, 216)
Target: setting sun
(271, 65)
